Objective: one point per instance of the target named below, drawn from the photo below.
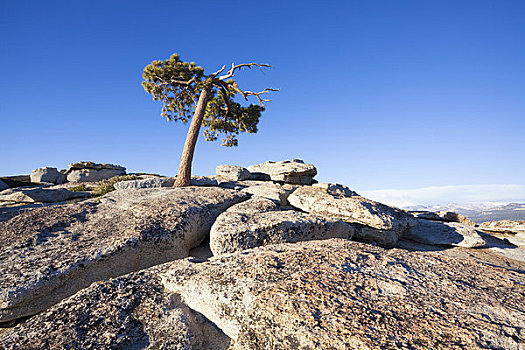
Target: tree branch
(246, 94)
(239, 66)
(177, 82)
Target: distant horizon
(387, 98)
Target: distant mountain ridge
(481, 211)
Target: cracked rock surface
(331, 294)
(384, 224)
(50, 253)
(129, 312)
(259, 222)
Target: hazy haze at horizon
(378, 95)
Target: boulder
(444, 233)
(95, 166)
(447, 216)
(152, 182)
(455, 217)
(48, 174)
(511, 230)
(93, 172)
(130, 312)
(204, 181)
(503, 226)
(271, 191)
(385, 224)
(91, 175)
(232, 172)
(336, 189)
(3, 185)
(52, 252)
(294, 171)
(332, 294)
(259, 222)
(38, 194)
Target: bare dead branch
(247, 93)
(213, 75)
(240, 66)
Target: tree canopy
(178, 84)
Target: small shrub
(79, 188)
(106, 186)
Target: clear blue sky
(377, 94)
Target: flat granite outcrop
(129, 312)
(444, 233)
(50, 253)
(383, 224)
(332, 294)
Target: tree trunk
(184, 176)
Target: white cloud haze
(449, 194)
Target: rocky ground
(257, 258)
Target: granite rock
(444, 233)
(259, 222)
(294, 171)
(332, 294)
(232, 172)
(48, 174)
(50, 253)
(510, 230)
(386, 224)
(272, 191)
(152, 182)
(37, 194)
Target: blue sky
(377, 94)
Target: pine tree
(207, 100)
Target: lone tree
(183, 87)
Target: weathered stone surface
(50, 253)
(92, 172)
(259, 222)
(386, 223)
(333, 294)
(37, 194)
(204, 181)
(294, 171)
(338, 294)
(130, 312)
(455, 217)
(95, 166)
(272, 191)
(47, 174)
(447, 216)
(503, 226)
(511, 230)
(232, 172)
(444, 233)
(92, 175)
(3, 185)
(336, 189)
(152, 182)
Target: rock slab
(333, 294)
(294, 171)
(153, 182)
(232, 172)
(385, 224)
(444, 233)
(48, 174)
(258, 222)
(52, 252)
(93, 172)
(37, 194)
